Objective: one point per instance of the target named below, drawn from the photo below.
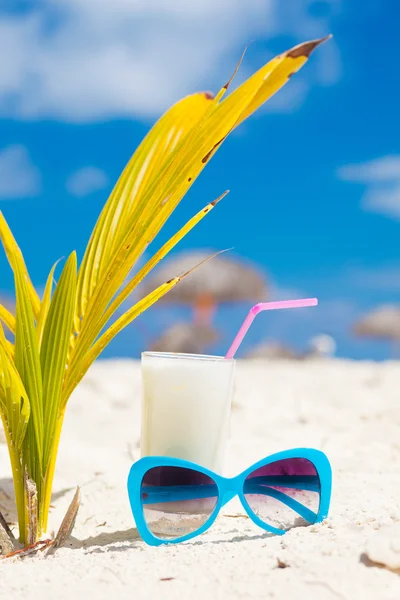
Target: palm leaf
(44, 308)
(14, 402)
(94, 327)
(79, 369)
(14, 413)
(53, 353)
(274, 75)
(13, 252)
(7, 346)
(7, 318)
(28, 365)
(26, 354)
(174, 177)
(176, 171)
(146, 162)
(158, 256)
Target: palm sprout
(57, 337)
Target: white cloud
(86, 181)
(382, 169)
(83, 60)
(385, 278)
(278, 292)
(384, 199)
(289, 98)
(382, 180)
(19, 178)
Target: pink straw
(259, 308)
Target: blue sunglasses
(174, 500)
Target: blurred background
(314, 208)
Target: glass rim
(186, 356)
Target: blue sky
(314, 176)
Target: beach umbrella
(383, 323)
(185, 337)
(220, 280)
(272, 350)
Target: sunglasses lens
(285, 493)
(177, 501)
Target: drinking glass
(186, 406)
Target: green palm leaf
(27, 363)
(14, 413)
(53, 353)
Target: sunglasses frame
(228, 488)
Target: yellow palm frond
(145, 213)
(13, 252)
(127, 196)
(45, 304)
(7, 318)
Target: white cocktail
(186, 406)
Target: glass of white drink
(186, 406)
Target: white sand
(349, 410)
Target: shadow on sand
(117, 541)
(7, 501)
(130, 539)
